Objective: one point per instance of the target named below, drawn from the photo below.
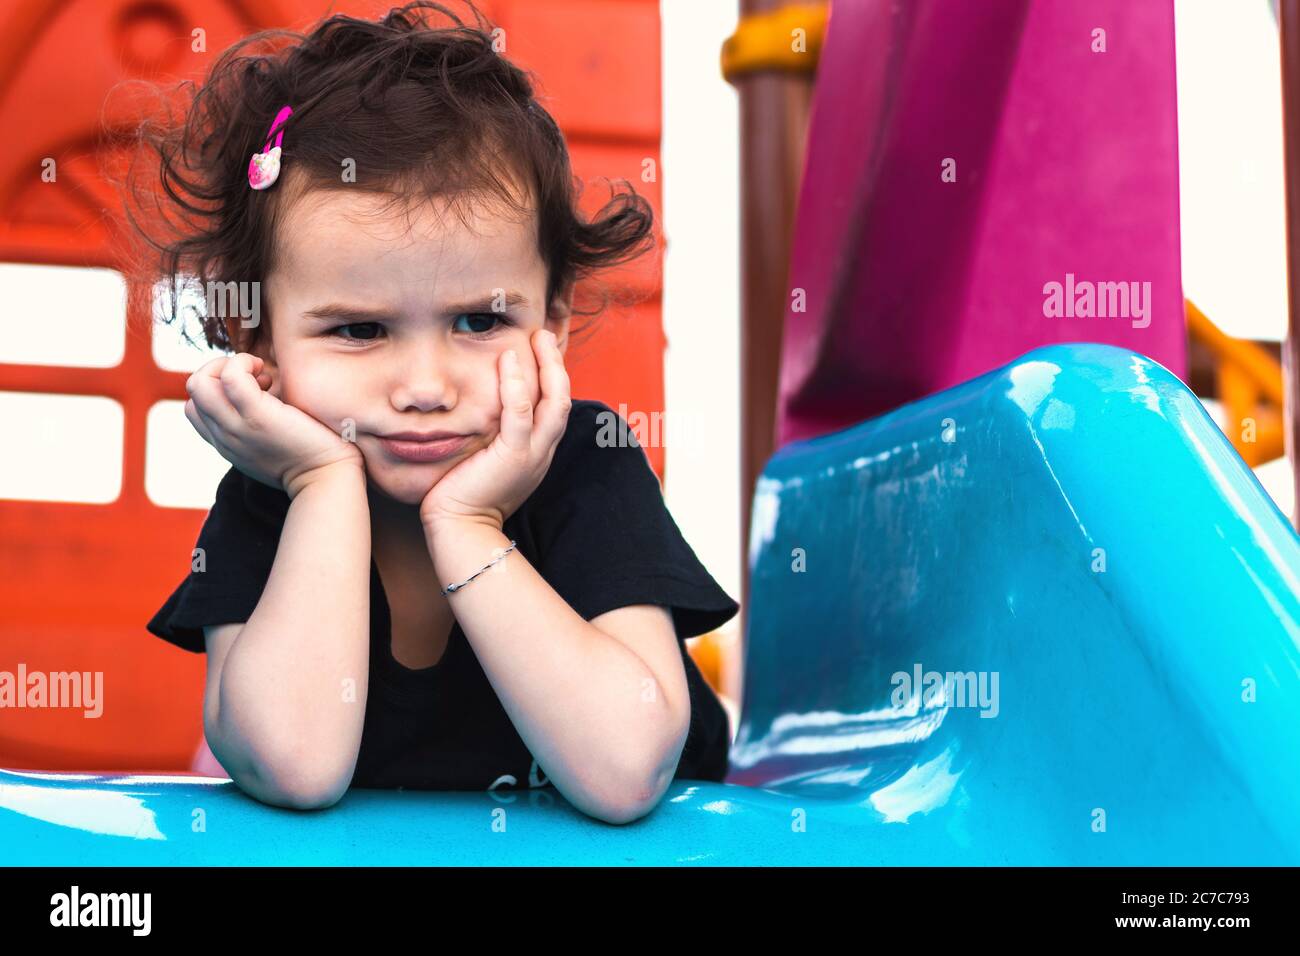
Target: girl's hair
(421, 112)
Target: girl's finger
(237, 379)
(552, 414)
(199, 424)
(209, 396)
(260, 373)
(516, 403)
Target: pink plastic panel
(1064, 145)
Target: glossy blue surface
(1119, 691)
(958, 533)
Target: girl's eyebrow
(330, 313)
(486, 303)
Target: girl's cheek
(318, 394)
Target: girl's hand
(234, 406)
(490, 485)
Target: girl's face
(396, 324)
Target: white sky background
(701, 184)
(1231, 186)
(1231, 179)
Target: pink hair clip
(264, 167)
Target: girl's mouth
(424, 451)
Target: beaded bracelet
(456, 587)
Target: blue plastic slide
(1047, 616)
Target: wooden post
(774, 112)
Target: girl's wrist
(444, 525)
(461, 546)
(350, 469)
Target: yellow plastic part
(706, 651)
(787, 39)
(1250, 387)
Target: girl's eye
(482, 317)
(356, 325)
(482, 325)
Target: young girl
(428, 567)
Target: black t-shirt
(596, 529)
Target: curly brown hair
(423, 111)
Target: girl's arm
(606, 726)
(285, 712)
(592, 712)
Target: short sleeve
(238, 541)
(606, 537)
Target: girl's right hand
(270, 441)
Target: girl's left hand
(490, 485)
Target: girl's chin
(406, 484)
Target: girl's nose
(424, 381)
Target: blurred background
(104, 484)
